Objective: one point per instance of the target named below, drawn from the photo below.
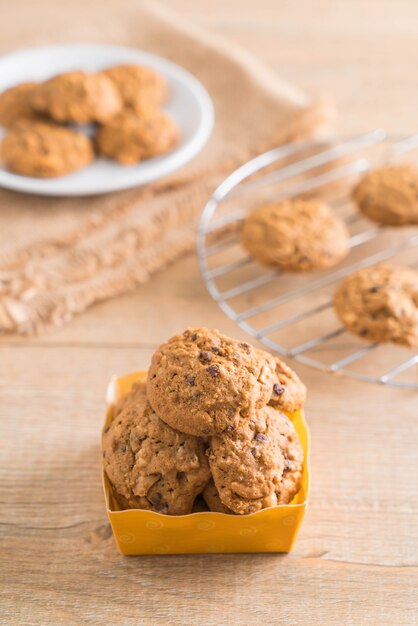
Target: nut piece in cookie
(296, 235)
(389, 195)
(45, 150)
(380, 303)
(289, 392)
(77, 97)
(138, 85)
(150, 465)
(257, 465)
(199, 380)
(131, 137)
(15, 104)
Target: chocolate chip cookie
(15, 104)
(200, 380)
(149, 464)
(212, 499)
(296, 235)
(78, 97)
(131, 137)
(45, 150)
(380, 303)
(258, 464)
(138, 86)
(289, 392)
(389, 195)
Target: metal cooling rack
(274, 306)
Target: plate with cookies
(88, 119)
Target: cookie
(212, 499)
(389, 195)
(380, 303)
(149, 464)
(258, 464)
(77, 97)
(199, 380)
(138, 86)
(296, 235)
(45, 150)
(15, 104)
(289, 392)
(131, 137)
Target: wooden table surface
(355, 561)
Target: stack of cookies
(121, 105)
(209, 425)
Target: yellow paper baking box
(146, 532)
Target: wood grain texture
(356, 559)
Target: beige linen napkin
(59, 256)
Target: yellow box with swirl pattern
(146, 532)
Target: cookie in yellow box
(207, 451)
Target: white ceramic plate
(189, 104)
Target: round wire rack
(291, 313)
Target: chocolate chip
(364, 332)
(278, 390)
(161, 507)
(123, 448)
(230, 428)
(157, 502)
(253, 451)
(107, 429)
(190, 380)
(374, 289)
(206, 357)
(213, 370)
(194, 337)
(246, 347)
(215, 350)
(261, 437)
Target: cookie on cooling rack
(380, 303)
(45, 150)
(296, 235)
(389, 195)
